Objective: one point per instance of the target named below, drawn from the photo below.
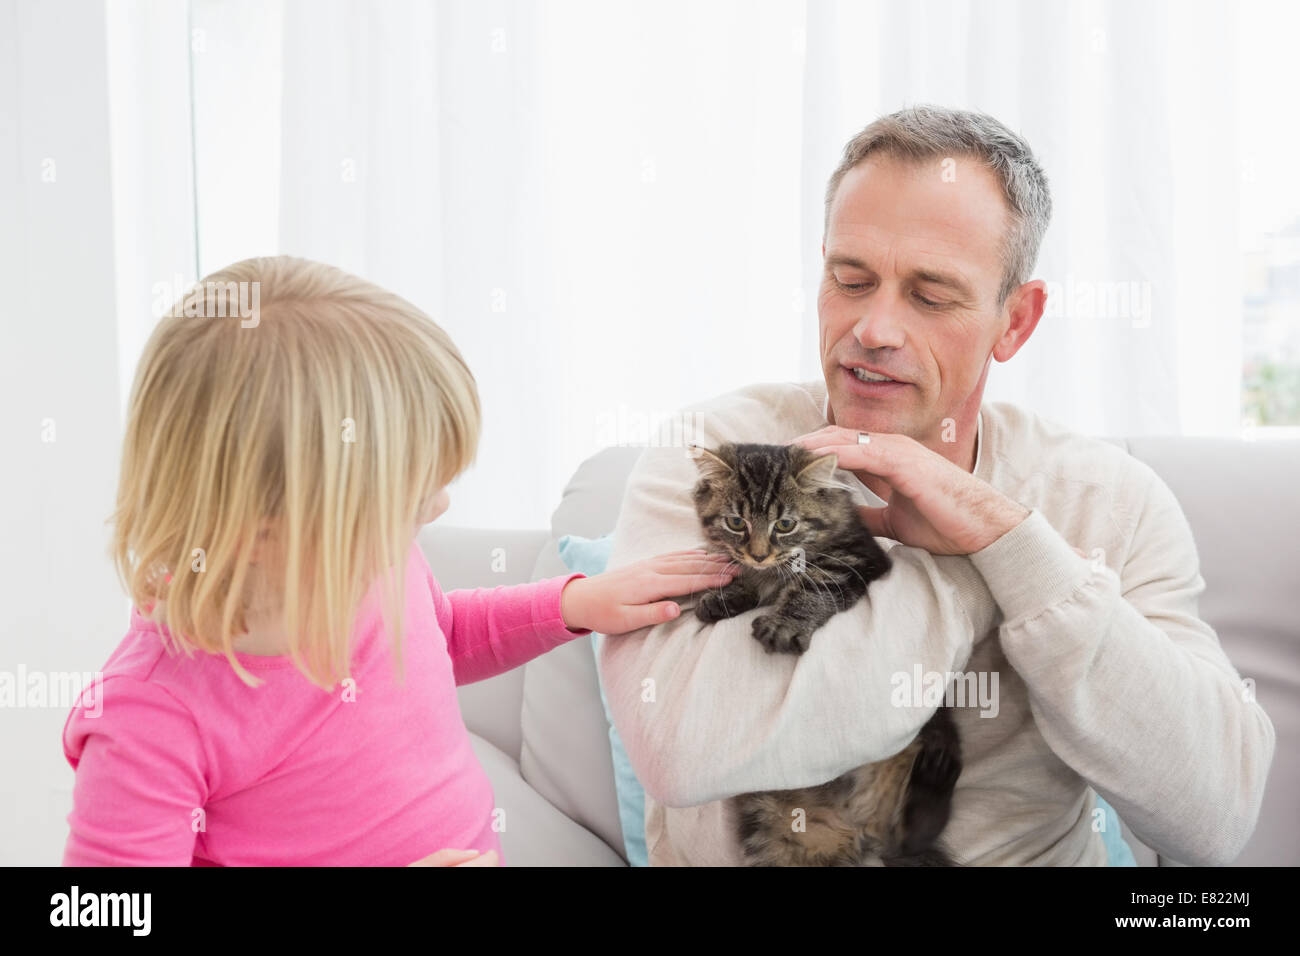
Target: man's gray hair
(928, 132)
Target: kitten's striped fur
(804, 552)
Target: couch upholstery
(540, 731)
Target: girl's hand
(458, 858)
(631, 598)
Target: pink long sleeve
(184, 764)
(141, 781)
(493, 630)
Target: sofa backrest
(1242, 501)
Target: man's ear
(1025, 307)
(818, 473)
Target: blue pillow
(1117, 851)
(590, 557)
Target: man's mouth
(863, 375)
(871, 380)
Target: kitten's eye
(785, 525)
(734, 523)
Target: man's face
(909, 289)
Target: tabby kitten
(802, 549)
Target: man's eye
(928, 303)
(785, 525)
(851, 286)
(734, 523)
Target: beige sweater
(1097, 673)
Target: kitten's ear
(712, 464)
(818, 473)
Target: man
(1053, 567)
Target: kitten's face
(765, 505)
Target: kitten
(803, 550)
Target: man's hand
(933, 504)
(631, 598)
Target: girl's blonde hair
(329, 412)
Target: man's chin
(886, 413)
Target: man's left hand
(933, 504)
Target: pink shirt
(188, 765)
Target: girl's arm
(492, 630)
(141, 786)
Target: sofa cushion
(590, 556)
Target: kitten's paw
(712, 608)
(779, 635)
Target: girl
(266, 706)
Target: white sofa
(541, 734)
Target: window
(1269, 142)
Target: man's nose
(880, 325)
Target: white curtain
(615, 208)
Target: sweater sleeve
(492, 630)
(1128, 686)
(141, 784)
(705, 713)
